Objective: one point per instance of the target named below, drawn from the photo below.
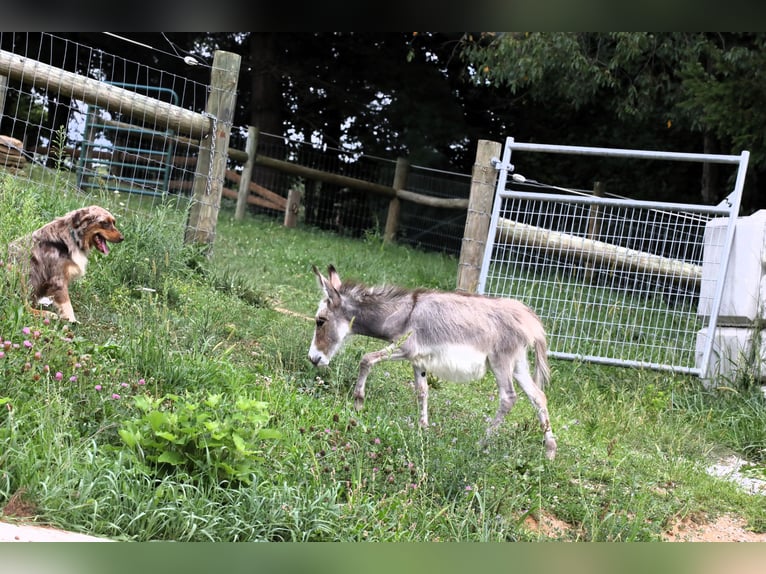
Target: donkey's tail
(542, 369)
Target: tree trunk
(266, 97)
(709, 172)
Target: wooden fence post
(293, 207)
(247, 172)
(483, 178)
(594, 228)
(394, 206)
(211, 165)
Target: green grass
(157, 319)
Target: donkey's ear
(334, 277)
(321, 280)
(328, 285)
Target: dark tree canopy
(431, 96)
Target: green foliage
(722, 93)
(679, 91)
(209, 434)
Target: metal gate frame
(136, 185)
(728, 208)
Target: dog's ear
(77, 218)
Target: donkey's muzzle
(318, 359)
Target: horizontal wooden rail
(161, 115)
(597, 252)
(360, 184)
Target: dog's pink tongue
(101, 245)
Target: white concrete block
(744, 295)
(733, 354)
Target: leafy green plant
(200, 434)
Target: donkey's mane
(382, 293)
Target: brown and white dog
(55, 254)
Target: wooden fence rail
(149, 110)
(597, 253)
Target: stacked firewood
(11, 153)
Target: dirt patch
(548, 525)
(18, 506)
(727, 528)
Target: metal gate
(135, 159)
(615, 280)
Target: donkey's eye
(320, 322)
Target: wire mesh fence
(353, 212)
(68, 111)
(615, 280)
(71, 113)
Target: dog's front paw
(42, 313)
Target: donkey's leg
(421, 390)
(389, 353)
(506, 392)
(540, 402)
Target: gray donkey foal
(451, 335)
